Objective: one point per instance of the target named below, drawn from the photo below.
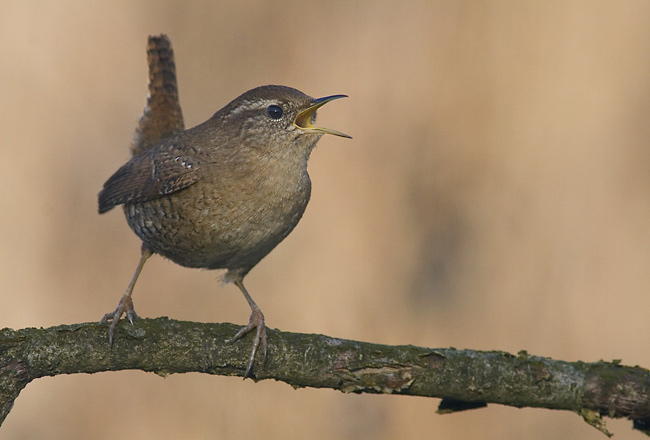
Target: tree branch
(462, 378)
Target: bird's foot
(256, 323)
(124, 307)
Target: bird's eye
(274, 111)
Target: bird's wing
(147, 176)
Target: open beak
(303, 120)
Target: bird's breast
(224, 221)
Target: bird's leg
(256, 322)
(126, 302)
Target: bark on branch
(462, 378)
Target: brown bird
(223, 194)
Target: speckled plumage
(222, 194)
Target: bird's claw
(124, 307)
(256, 322)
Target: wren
(223, 194)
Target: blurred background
(496, 195)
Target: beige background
(496, 195)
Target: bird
(223, 194)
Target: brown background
(496, 195)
